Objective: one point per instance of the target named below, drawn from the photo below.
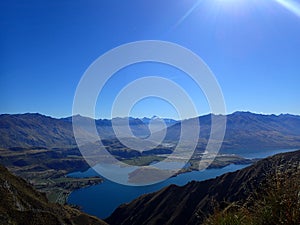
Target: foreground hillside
(21, 204)
(194, 202)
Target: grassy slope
(276, 202)
(192, 203)
(21, 204)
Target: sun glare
(230, 5)
(291, 5)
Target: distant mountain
(168, 122)
(33, 129)
(192, 203)
(245, 130)
(21, 204)
(248, 131)
(104, 126)
(36, 130)
(255, 131)
(138, 128)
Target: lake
(101, 200)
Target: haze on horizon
(252, 47)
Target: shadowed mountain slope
(21, 204)
(27, 130)
(192, 203)
(249, 131)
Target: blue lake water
(101, 200)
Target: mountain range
(244, 130)
(43, 150)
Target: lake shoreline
(101, 200)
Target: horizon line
(142, 117)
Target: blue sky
(252, 47)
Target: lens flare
(291, 5)
(188, 13)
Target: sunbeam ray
(291, 5)
(189, 12)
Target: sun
(216, 3)
(236, 5)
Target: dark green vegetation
(46, 169)
(21, 204)
(267, 192)
(121, 152)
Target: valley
(194, 202)
(43, 151)
(46, 170)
